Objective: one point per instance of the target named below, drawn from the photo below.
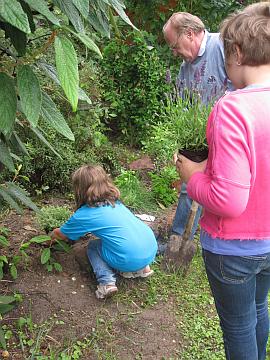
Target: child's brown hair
(93, 187)
(248, 29)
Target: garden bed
(60, 308)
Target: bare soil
(127, 331)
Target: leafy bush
(162, 186)
(29, 29)
(51, 217)
(133, 83)
(133, 193)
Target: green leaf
(28, 11)
(86, 40)
(67, 7)
(17, 37)
(4, 241)
(7, 299)
(3, 259)
(18, 144)
(25, 245)
(100, 22)
(49, 267)
(45, 256)
(11, 202)
(51, 72)
(12, 12)
(5, 157)
(2, 339)
(8, 103)
(13, 272)
(40, 239)
(119, 8)
(82, 6)
(20, 194)
(67, 69)
(57, 266)
(6, 308)
(62, 245)
(42, 8)
(30, 93)
(42, 138)
(52, 115)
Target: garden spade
(181, 249)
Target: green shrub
(134, 83)
(51, 217)
(162, 186)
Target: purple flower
(168, 78)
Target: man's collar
(203, 44)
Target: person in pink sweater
(233, 186)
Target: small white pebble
(58, 281)
(150, 324)
(164, 339)
(174, 341)
(73, 278)
(82, 286)
(74, 292)
(93, 329)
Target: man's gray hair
(181, 22)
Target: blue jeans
(240, 286)
(182, 214)
(104, 273)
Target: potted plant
(189, 116)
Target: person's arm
(225, 185)
(58, 235)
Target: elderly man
(202, 72)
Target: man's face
(181, 45)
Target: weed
(51, 217)
(133, 193)
(162, 185)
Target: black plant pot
(194, 155)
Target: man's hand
(187, 168)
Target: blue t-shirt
(128, 244)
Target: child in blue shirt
(125, 244)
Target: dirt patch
(129, 331)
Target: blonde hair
(181, 22)
(93, 187)
(249, 30)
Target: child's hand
(56, 234)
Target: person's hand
(187, 168)
(57, 235)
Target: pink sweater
(235, 187)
